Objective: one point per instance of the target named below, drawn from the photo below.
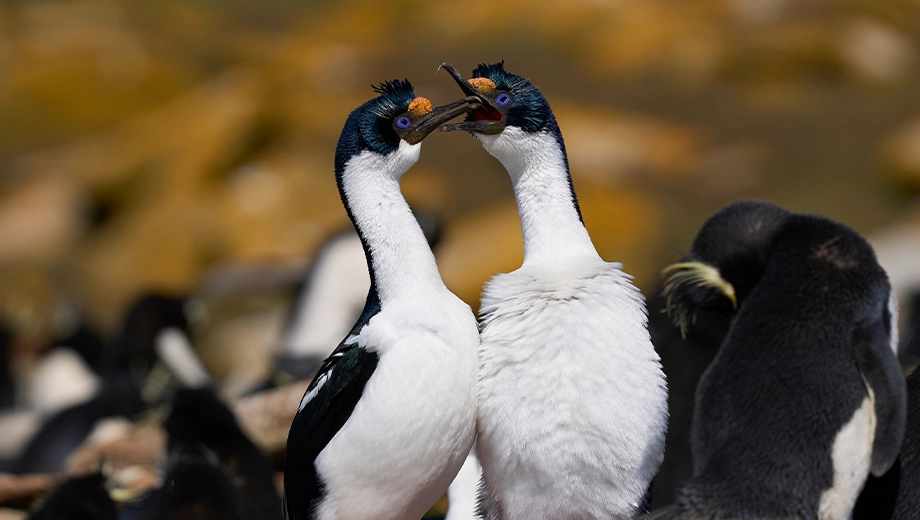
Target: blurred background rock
(177, 146)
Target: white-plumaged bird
(572, 398)
(388, 420)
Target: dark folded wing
(326, 406)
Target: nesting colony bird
(153, 330)
(805, 397)
(388, 420)
(78, 498)
(197, 488)
(572, 399)
(329, 300)
(200, 421)
(204, 438)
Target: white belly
(573, 401)
(852, 458)
(410, 432)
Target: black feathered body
(787, 381)
(907, 506)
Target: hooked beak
(428, 123)
(486, 116)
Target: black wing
(336, 389)
(879, 366)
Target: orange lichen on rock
(420, 106)
(484, 85)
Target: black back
(7, 385)
(908, 502)
(199, 489)
(79, 498)
(683, 361)
(200, 424)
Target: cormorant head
(504, 100)
(728, 258)
(396, 115)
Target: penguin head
(727, 259)
(392, 124)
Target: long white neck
(402, 264)
(553, 232)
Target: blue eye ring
(403, 122)
(503, 99)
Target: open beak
(428, 123)
(485, 116)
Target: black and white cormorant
(572, 399)
(388, 420)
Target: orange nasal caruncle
(420, 106)
(484, 85)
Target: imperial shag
(572, 399)
(805, 397)
(388, 420)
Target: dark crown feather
(395, 87)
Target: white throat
(402, 261)
(552, 230)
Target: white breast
(852, 458)
(414, 425)
(573, 401)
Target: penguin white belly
(414, 424)
(572, 398)
(851, 456)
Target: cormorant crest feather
(394, 97)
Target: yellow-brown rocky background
(149, 145)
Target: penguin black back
(199, 489)
(79, 498)
(908, 501)
(200, 424)
(783, 419)
(683, 359)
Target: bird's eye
(503, 99)
(403, 122)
